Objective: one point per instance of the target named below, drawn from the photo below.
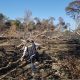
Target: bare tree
(27, 17)
(27, 20)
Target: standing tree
(51, 19)
(60, 26)
(2, 21)
(73, 9)
(27, 20)
(37, 20)
(27, 17)
(32, 26)
(2, 17)
(51, 23)
(37, 23)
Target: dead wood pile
(58, 57)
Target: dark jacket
(32, 50)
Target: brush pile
(59, 57)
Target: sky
(39, 8)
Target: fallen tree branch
(9, 67)
(7, 73)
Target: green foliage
(1, 16)
(2, 22)
(31, 26)
(37, 20)
(73, 9)
(17, 22)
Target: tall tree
(73, 9)
(1, 17)
(51, 20)
(61, 24)
(27, 17)
(27, 20)
(2, 21)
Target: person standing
(31, 53)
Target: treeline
(29, 23)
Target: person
(31, 53)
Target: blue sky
(39, 8)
